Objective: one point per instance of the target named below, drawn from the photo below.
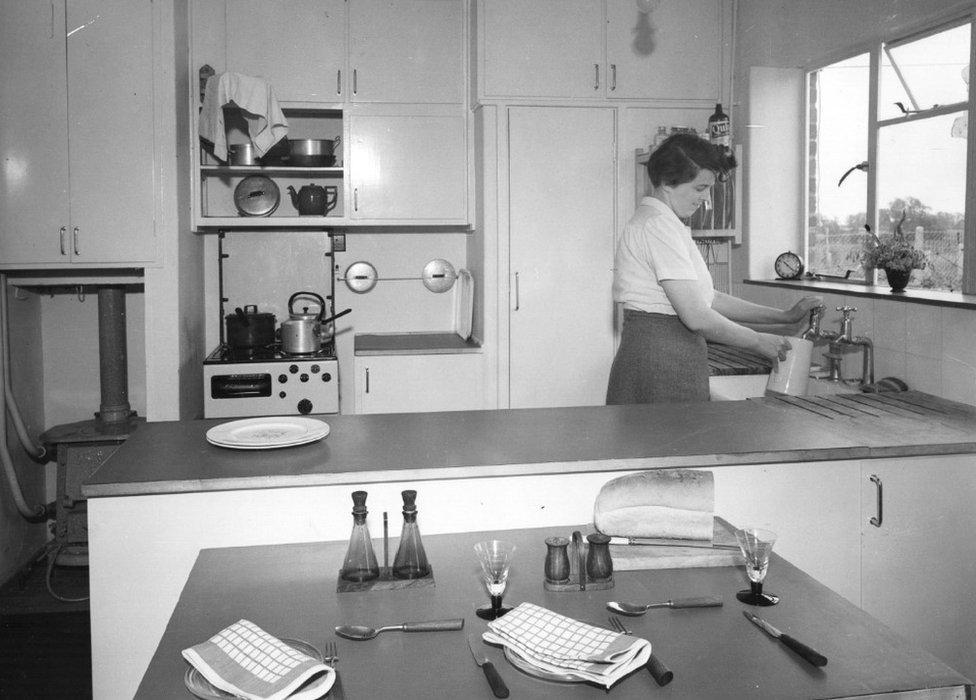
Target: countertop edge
(340, 478)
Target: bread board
(640, 557)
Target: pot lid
(256, 195)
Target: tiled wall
(931, 348)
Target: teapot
(314, 200)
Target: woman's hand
(800, 309)
(772, 346)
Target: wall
(789, 35)
(930, 347)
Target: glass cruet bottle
(360, 563)
(411, 559)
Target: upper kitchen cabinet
(298, 46)
(76, 119)
(408, 166)
(667, 50)
(407, 51)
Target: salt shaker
(557, 560)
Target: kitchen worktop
(174, 457)
(413, 344)
(290, 590)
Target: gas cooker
(269, 382)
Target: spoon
(361, 632)
(635, 609)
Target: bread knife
(662, 542)
(814, 657)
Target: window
(905, 163)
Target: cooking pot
(314, 200)
(249, 330)
(241, 154)
(312, 153)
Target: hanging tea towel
(266, 124)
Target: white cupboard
(414, 383)
(561, 234)
(408, 168)
(409, 51)
(76, 123)
(675, 50)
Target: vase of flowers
(895, 255)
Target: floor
(45, 643)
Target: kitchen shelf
(232, 170)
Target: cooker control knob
(326, 377)
(303, 377)
(282, 378)
(304, 407)
(293, 369)
(282, 394)
(316, 369)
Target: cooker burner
(268, 353)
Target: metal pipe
(112, 356)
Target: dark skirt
(659, 360)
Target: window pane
(935, 71)
(838, 142)
(922, 171)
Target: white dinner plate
(268, 432)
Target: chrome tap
(846, 337)
(813, 331)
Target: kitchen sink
(747, 386)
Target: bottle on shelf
(411, 559)
(662, 133)
(360, 563)
(720, 128)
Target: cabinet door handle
(339, 82)
(876, 520)
(367, 380)
(74, 239)
(596, 76)
(516, 292)
(355, 199)
(61, 233)
(613, 76)
(355, 81)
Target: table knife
(814, 657)
(498, 686)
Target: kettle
(302, 332)
(314, 200)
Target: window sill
(853, 289)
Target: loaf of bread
(664, 503)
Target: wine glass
(756, 545)
(495, 557)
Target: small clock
(789, 266)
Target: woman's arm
(688, 302)
(742, 311)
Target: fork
(331, 657)
(662, 674)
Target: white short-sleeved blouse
(653, 247)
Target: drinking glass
(756, 545)
(495, 557)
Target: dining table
(292, 591)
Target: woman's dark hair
(680, 158)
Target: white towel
(266, 124)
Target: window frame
(874, 50)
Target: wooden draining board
(725, 360)
(879, 421)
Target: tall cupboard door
(919, 563)
(110, 128)
(406, 51)
(299, 46)
(561, 236)
(33, 132)
(543, 48)
(674, 51)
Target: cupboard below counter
(418, 372)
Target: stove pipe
(112, 358)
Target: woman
(670, 306)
